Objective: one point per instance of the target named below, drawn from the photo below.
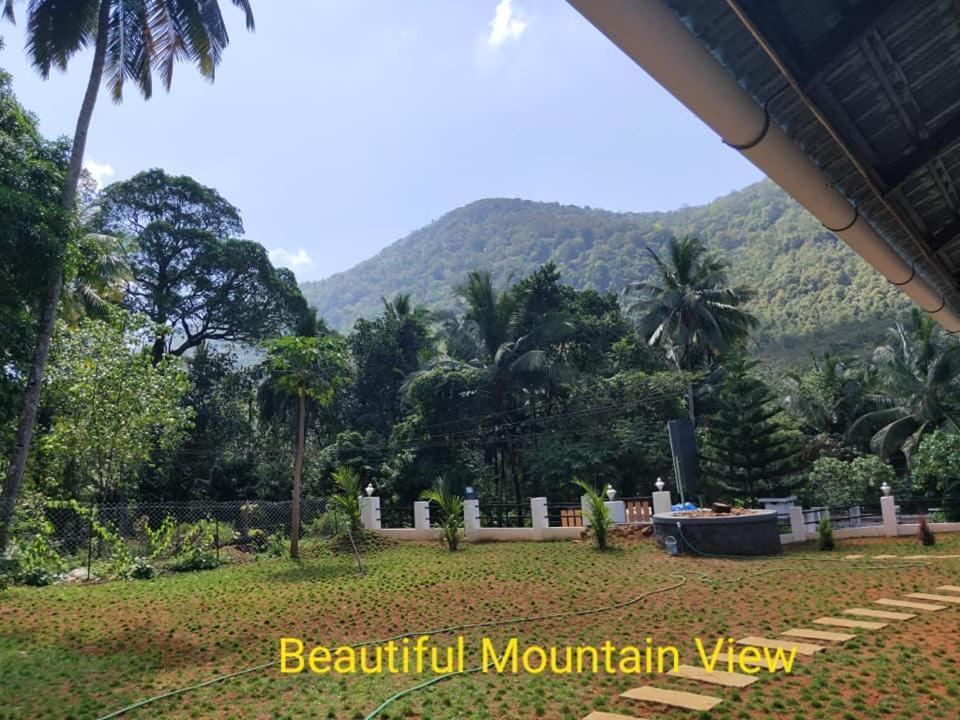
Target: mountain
(812, 290)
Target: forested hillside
(808, 281)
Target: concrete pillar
(471, 515)
(538, 514)
(585, 510)
(662, 502)
(798, 528)
(421, 516)
(618, 510)
(370, 513)
(888, 508)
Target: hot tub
(755, 532)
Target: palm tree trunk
(13, 482)
(297, 470)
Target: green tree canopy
(190, 274)
(112, 409)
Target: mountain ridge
(808, 281)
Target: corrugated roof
(884, 78)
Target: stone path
(911, 605)
(884, 614)
(716, 677)
(696, 701)
(846, 623)
(676, 698)
(811, 634)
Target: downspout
(658, 41)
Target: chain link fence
(85, 532)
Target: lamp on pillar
(611, 493)
(660, 485)
(885, 488)
(369, 489)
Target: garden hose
(682, 579)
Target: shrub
(37, 576)
(4, 582)
(195, 559)
(142, 569)
(598, 514)
(254, 540)
(842, 483)
(825, 541)
(451, 509)
(347, 499)
(926, 534)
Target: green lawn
(80, 652)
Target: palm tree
(498, 334)
(690, 310)
(918, 371)
(130, 39)
(99, 279)
(451, 510)
(832, 395)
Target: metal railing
(943, 509)
(505, 515)
(852, 516)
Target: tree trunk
(48, 317)
(693, 415)
(297, 470)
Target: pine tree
(746, 450)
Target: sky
(339, 127)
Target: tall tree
(305, 368)
(918, 372)
(190, 276)
(690, 309)
(129, 39)
(746, 451)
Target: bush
(142, 569)
(843, 483)
(825, 541)
(195, 559)
(926, 534)
(254, 540)
(37, 575)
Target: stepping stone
(950, 588)
(844, 622)
(597, 715)
(788, 645)
(717, 677)
(852, 557)
(818, 635)
(908, 604)
(884, 557)
(723, 660)
(883, 614)
(936, 598)
(674, 698)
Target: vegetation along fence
(88, 532)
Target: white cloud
(99, 171)
(284, 258)
(505, 24)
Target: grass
(79, 652)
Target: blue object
(685, 506)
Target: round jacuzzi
(749, 532)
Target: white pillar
(585, 510)
(421, 516)
(538, 514)
(370, 513)
(798, 528)
(618, 510)
(662, 502)
(471, 515)
(888, 508)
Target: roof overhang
(868, 91)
